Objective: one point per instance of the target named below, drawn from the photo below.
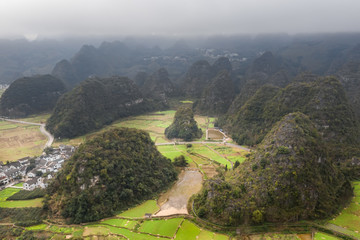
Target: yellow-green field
(348, 221)
(20, 140)
(154, 123)
(8, 192)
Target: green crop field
(188, 231)
(22, 203)
(39, 227)
(7, 192)
(139, 211)
(41, 118)
(206, 152)
(19, 184)
(133, 235)
(323, 236)
(118, 222)
(165, 227)
(349, 218)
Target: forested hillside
(289, 177)
(31, 95)
(94, 103)
(112, 171)
(323, 100)
(184, 126)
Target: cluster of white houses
(36, 172)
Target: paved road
(42, 130)
(222, 143)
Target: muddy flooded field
(215, 134)
(175, 200)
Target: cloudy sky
(59, 18)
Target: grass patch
(187, 231)
(7, 125)
(323, 236)
(186, 101)
(7, 192)
(139, 211)
(19, 184)
(165, 227)
(39, 227)
(118, 222)
(22, 203)
(41, 118)
(349, 218)
(63, 230)
(133, 235)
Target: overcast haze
(63, 18)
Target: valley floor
(204, 158)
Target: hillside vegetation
(289, 177)
(31, 95)
(112, 171)
(184, 125)
(323, 100)
(94, 103)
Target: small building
(30, 185)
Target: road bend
(50, 138)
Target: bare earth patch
(175, 200)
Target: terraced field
(8, 192)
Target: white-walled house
(30, 185)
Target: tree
(180, 161)
(184, 125)
(257, 217)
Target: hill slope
(31, 95)
(113, 171)
(287, 178)
(184, 125)
(217, 97)
(323, 100)
(94, 103)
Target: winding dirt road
(50, 138)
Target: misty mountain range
(319, 54)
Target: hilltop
(323, 100)
(94, 103)
(112, 171)
(289, 177)
(31, 95)
(184, 125)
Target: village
(35, 172)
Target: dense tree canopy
(184, 125)
(94, 103)
(113, 171)
(31, 95)
(288, 177)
